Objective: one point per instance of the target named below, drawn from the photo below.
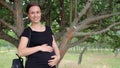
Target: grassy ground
(90, 59)
(6, 59)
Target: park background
(87, 31)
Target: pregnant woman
(42, 51)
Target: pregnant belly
(41, 57)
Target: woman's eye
(32, 12)
(38, 12)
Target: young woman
(42, 51)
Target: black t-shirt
(38, 38)
(38, 59)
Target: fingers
(49, 48)
(45, 45)
(46, 48)
(51, 63)
(53, 59)
(54, 56)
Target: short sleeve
(25, 33)
(50, 30)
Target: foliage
(57, 14)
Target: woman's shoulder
(27, 29)
(26, 32)
(48, 27)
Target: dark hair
(30, 5)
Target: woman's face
(34, 14)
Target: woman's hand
(46, 48)
(55, 59)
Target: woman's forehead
(34, 8)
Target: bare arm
(56, 57)
(23, 50)
(55, 47)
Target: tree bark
(81, 54)
(62, 14)
(18, 17)
(64, 43)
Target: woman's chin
(36, 21)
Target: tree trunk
(81, 54)
(62, 14)
(18, 17)
(64, 43)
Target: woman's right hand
(46, 48)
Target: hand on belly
(46, 48)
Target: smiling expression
(34, 14)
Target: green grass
(91, 59)
(6, 59)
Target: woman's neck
(37, 27)
(36, 24)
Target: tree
(76, 19)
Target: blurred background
(87, 31)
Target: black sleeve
(25, 33)
(50, 30)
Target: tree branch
(8, 38)
(76, 13)
(62, 14)
(58, 35)
(98, 32)
(78, 42)
(70, 11)
(86, 7)
(3, 3)
(6, 24)
(84, 24)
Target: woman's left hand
(53, 61)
